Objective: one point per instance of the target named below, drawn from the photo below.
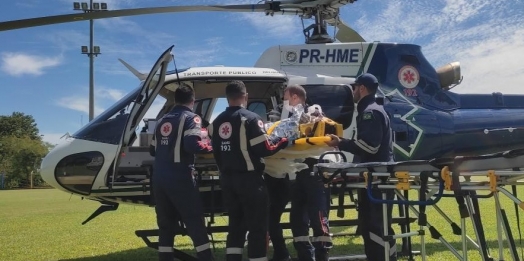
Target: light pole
(92, 50)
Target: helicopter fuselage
(108, 159)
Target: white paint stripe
(410, 123)
(370, 56)
(243, 145)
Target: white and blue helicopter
(108, 160)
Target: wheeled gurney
(432, 178)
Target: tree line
(21, 150)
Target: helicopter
(100, 161)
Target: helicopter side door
(150, 89)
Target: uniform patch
(225, 130)
(260, 124)
(197, 120)
(367, 116)
(166, 129)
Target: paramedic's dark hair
(235, 90)
(184, 95)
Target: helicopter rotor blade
(58, 19)
(347, 34)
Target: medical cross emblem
(225, 130)
(165, 129)
(408, 76)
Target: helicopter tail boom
(139, 75)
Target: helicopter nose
(48, 165)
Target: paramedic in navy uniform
(372, 144)
(309, 198)
(239, 145)
(177, 138)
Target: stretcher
(463, 176)
(313, 134)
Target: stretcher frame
(437, 176)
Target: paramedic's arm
(215, 142)
(259, 141)
(369, 136)
(192, 136)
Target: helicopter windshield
(108, 126)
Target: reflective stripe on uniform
(192, 132)
(321, 239)
(259, 139)
(258, 259)
(364, 146)
(234, 251)
(243, 145)
(178, 139)
(164, 249)
(380, 241)
(202, 247)
(301, 239)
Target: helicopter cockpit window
(259, 108)
(201, 106)
(336, 101)
(108, 126)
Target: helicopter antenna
(176, 70)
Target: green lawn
(45, 224)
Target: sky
(44, 74)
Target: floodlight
(96, 6)
(96, 49)
(84, 6)
(103, 6)
(84, 49)
(76, 5)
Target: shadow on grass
(434, 249)
(142, 254)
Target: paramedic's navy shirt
(373, 142)
(177, 138)
(240, 142)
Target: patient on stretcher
(309, 130)
(303, 124)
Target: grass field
(45, 224)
